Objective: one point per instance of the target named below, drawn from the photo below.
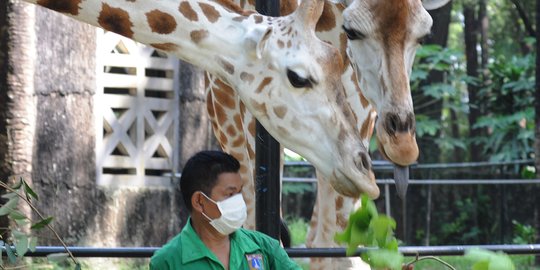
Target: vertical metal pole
(267, 162)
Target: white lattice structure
(136, 110)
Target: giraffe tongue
(401, 178)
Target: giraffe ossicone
(286, 77)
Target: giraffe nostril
(362, 161)
(392, 123)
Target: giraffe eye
(353, 34)
(297, 81)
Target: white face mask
(233, 214)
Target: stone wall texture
(47, 73)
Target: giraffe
(284, 75)
(395, 138)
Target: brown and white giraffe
(394, 30)
(283, 74)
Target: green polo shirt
(249, 250)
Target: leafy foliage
(20, 242)
(489, 260)
(367, 228)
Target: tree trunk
(471, 53)
(441, 22)
(537, 118)
(195, 128)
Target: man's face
(228, 184)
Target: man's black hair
(201, 173)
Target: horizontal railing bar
(435, 181)
(383, 165)
(147, 252)
(386, 165)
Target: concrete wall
(46, 100)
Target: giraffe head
(291, 82)
(383, 38)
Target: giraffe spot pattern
(283, 131)
(238, 121)
(198, 35)
(239, 18)
(280, 111)
(220, 113)
(280, 44)
(115, 20)
(252, 128)
(210, 12)
(258, 18)
(339, 202)
(188, 12)
(226, 65)
(343, 49)
(265, 82)
(63, 6)
(261, 107)
(251, 152)
(168, 47)
(231, 6)
(363, 99)
(209, 103)
(366, 128)
(161, 22)
(224, 98)
(246, 77)
(223, 139)
(239, 142)
(231, 131)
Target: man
(212, 237)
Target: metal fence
(147, 252)
(451, 250)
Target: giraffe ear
(310, 11)
(256, 39)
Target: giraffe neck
(200, 32)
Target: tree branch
(528, 26)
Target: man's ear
(255, 40)
(196, 201)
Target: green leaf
(17, 234)
(9, 195)
(21, 246)
(11, 256)
(57, 257)
(22, 222)
(385, 259)
(383, 227)
(501, 261)
(29, 191)
(16, 215)
(32, 244)
(42, 223)
(489, 260)
(19, 184)
(9, 206)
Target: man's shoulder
(253, 234)
(261, 239)
(174, 246)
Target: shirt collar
(244, 241)
(193, 248)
